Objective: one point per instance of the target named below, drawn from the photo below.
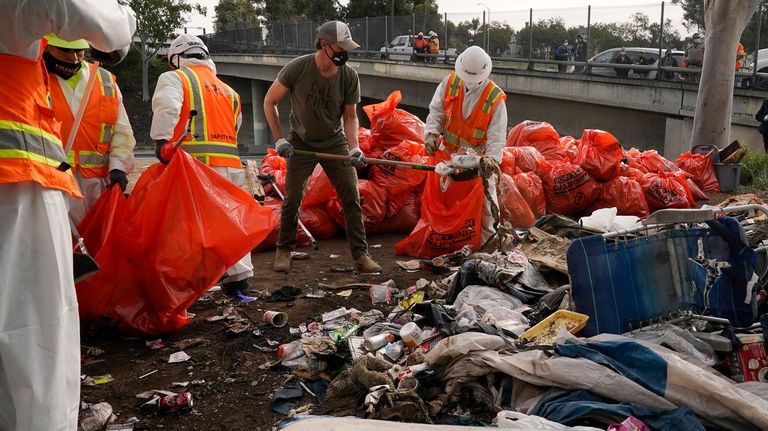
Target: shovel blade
(84, 266)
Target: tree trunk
(724, 21)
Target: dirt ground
(236, 393)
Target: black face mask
(339, 58)
(60, 68)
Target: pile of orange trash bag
(163, 247)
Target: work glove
(159, 144)
(116, 176)
(430, 144)
(357, 156)
(284, 148)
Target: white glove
(284, 148)
(357, 156)
(765, 118)
(430, 143)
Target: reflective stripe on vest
(212, 143)
(92, 159)
(472, 130)
(18, 140)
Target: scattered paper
(410, 265)
(345, 293)
(178, 357)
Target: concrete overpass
(642, 113)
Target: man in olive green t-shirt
(324, 95)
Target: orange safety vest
(30, 140)
(469, 132)
(740, 54)
(90, 151)
(434, 46)
(213, 131)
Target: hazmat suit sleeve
(166, 106)
(105, 24)
(436, 117)
(497, 133)
(123, 141)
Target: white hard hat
(473, 66)
(432, 33)
(187, 43)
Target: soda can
(175, 403)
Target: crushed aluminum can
(175, 403)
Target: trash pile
(493, 341)
(542, 173)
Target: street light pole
(487, 38)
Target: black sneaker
(233, 287)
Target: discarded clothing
(285, 294)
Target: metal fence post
(366, 35)
(386, 36)
(311, 38)
(485, 30)
(284, 44)
(296, 27)
(445, 31)
(661, 43)
(589, 29)
(530, 41)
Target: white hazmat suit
(496, 136)
(166, 111)
(39, 328)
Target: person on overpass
(213, 141)
(741, 55)
(324, 93)
(470, 112)
(580, 52)
(434, 46)
(563, 53)
(668, 61)
(39, 322)
(102, 153)
(420, 46)
(622, 58)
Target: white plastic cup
(410, 334)
(277, 319)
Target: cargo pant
(344, 179)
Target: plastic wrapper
(664, 191)
(490, 306)
(98, 231)
(625, 194)
(650, 161)
(185, 225)
(399, 183)
(405, 219)
(449, 220)
(600, 154)
(390, 126)
(513, 206)
(530, 187)
(373, 200)
(525, 158)
(701, 169)
(540, 135)
(569, 189)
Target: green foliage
(363, 8)
(157, 19)
(301, 10)
(128, 72)
(693, 14)
(500, 34)
(754, 173)
(234, 14)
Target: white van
(401, 49)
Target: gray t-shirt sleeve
(352, 94)
(289, 72)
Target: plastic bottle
(410, 334)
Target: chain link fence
(580, 40)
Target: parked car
(609, 55)
(401, 48)
(762, 67)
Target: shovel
(366, 160)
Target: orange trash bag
(600, 154)
(526, 158)
(540, 135)
(449, 220)
(701, 169)
(625, 194)
(569, 189)
(319, 189)
(507, 162)
(276, 166)
(185, 225)
(513, 206)
(530, 188)
(570, 147)
(98, 230)
(663, 190)
(650, 161)
(405, 219)
(318, 222)
(399, 183)
(373, 200)
(390, 126)
(275, 205)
